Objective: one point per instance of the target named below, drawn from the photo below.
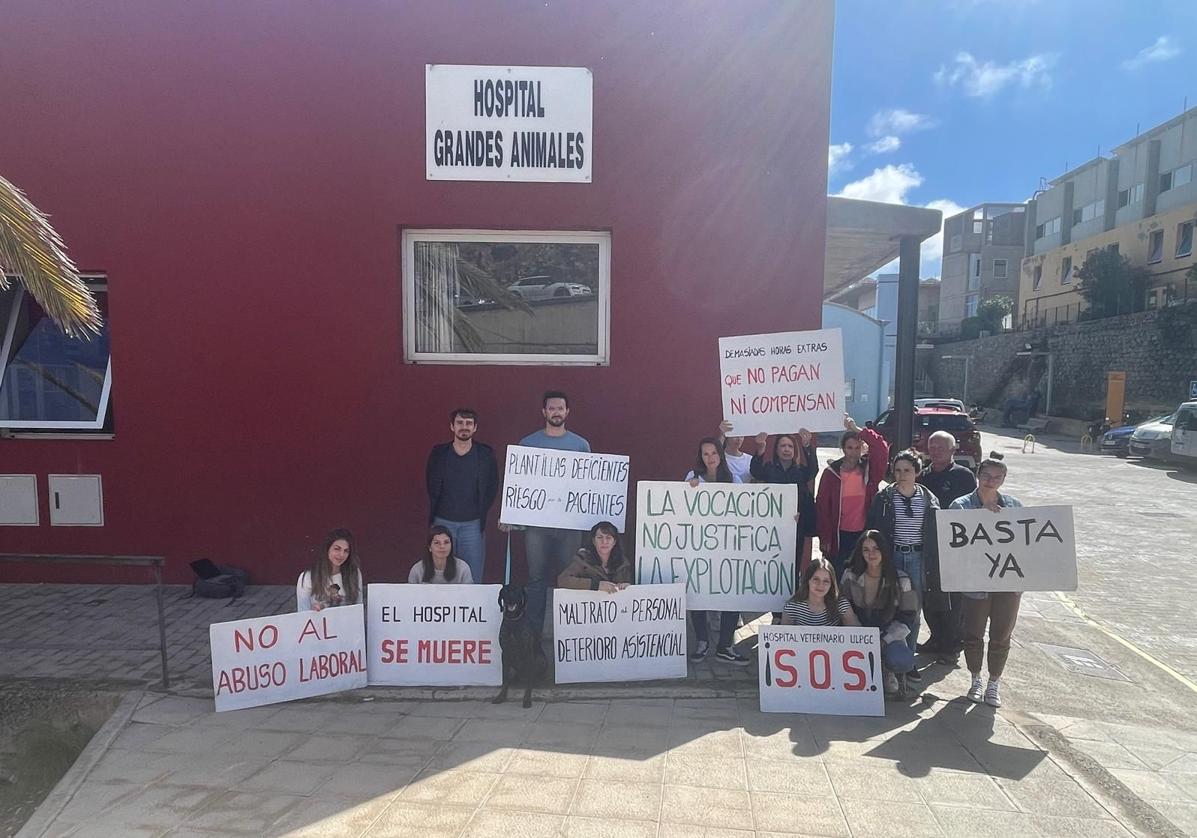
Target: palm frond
(32, 250)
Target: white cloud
(885, 145)
(985, 78)
(887, 185)
(931, 252)
(1164, 49)
(897, 121)
(837, 158)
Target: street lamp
(1050, 368)
(966, 359)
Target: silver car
(544, 288)
(1153, 439)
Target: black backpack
(218, 581)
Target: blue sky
(951, 104)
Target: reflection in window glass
(507, 297)
(48, 378)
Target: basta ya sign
(1021, 548)
(265, 660)
(820, 669)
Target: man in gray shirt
(548, 550)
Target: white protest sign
(637, 634)
(732, 545)
(434, 635)
(1025, 548)
(569, 490)
(828, 670)
(783, 382)
(265, 660)
(508, 123)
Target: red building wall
(241, 171)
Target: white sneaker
(992, 697)
(976, 692)
(700, 651)
(891, 684)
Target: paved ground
(1070, 753)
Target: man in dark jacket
(463, 480)
(846, 490)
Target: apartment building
(982, 249)
(1141, 202)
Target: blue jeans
(897, 657)
(469, 543)
(548, 551)
(912, 565)
(839, 561)
(728, 621)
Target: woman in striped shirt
(904, 513)
(817, 601)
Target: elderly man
(944, 612)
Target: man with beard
(463, 480)
(549, 551)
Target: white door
(1184, 433)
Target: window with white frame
(1182, 175)
(971, 301)
(1037, 277)
(974, 271)
(1155, 246)
(1184, 239)
(1048, 228)
(999, 268)
(1136, 193)
(48, 381)
(496, 297)
(1066, 270)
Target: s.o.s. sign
(827, 670)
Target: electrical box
(18, 500)
(76, 500)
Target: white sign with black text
(434, 635)
(265, 660)
(826, 669)
(1025, 548)
(509, 123)
(636, 634)
(783, 382)
(569, 490)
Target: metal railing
(156, 562)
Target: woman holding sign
(797, 464)
(817, 601)
(439, 565)
(998, 609)
(883, 597)
(711, 467)
(904, 513)
(335, 577)
(600, 567)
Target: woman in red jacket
(846, 489)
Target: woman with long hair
(335, 577)
(601, 566)
(440, 566)
(818, 602)
(710, 466)
(794, 461)
(904, 512)
(998, 610)
(883, 597)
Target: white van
(1184, 435)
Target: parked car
(545, 288)
(1153, 439)
(1184, 435)
(950, 404)
(1116, 441)
(928, 420)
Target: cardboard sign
(265, 660)
(826, 670)
(509, 123)
(1028, 548)
(636, 634)
(731, 545)
(783, 382)
(568, 490)
(434, 635)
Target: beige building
(1142, 201)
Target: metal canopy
(862, 236)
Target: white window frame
(413, 234)
(1182, 175)
(95, 283)
(1154, 255)
(1180, 238)
(1065, 272)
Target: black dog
(523, 658)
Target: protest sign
(731, 545)
(434, 635)
(636, 634)
(265, 660)
(783, 382)
(824, 669)
(1024, 548)
(568, 490)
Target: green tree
(992, 311)
(1111, 285)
